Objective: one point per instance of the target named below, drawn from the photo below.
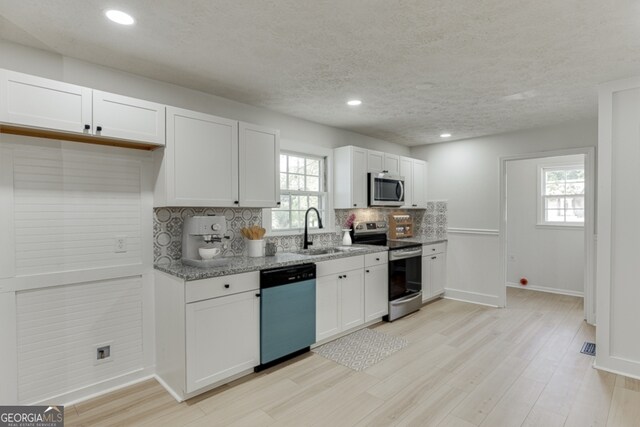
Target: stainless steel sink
(328, 251)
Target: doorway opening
(546, 228)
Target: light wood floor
(465, 366)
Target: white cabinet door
(406, 170)
(375, 161)
(426, 278)
(350, 177)
(352, 298)
(327, 306)
(118, 116)
(201, 159)
(392, 164)
(438, 273)
(259, 166)
(42, 103)
(222, 338)
(419, 184)
(376, 292)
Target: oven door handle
(406, 299)
(402, 255)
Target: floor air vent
(588, 348)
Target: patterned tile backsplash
(167, 228)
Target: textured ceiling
(421, 67)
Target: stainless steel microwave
(386, 190)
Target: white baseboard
(472, 297)
(546, 289)
(98, 389)
(614, 371)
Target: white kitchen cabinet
(33, 102)
(434, 271)
(350, 177)
(259, 166)
(377, 161)
(419, 184)
(211, 161)
(414, 172)
(339, 296)
(42, 103)
(376, 291)
(222, 338)
(199, 166)
(117, 116)
(207, 331)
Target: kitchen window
(302, 186)
(561, 192)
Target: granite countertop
(242, 264)
(422, 240)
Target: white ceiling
(420, 67)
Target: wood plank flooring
(465, 366)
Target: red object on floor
(524, 281)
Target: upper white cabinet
(259, 166)
(200, 162)
(350, 177)
(42, 103)
(377, 161)
(210, 161)
(35, 102)
(414, 172)
(117, 116)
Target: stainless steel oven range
(405, 267)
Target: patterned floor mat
(361, 349)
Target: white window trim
(311, 150)
(541, 223)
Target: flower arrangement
(349, 222)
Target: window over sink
(303, 185)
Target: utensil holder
(346, 237)
(255, 248)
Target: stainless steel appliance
(287, 313)
(405, 267)
(202, 231)
(385, 189)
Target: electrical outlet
(120, 244)
(102, 353)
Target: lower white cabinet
(434, 271)
(207, 331)
(376, 286)
(339, 303)
(223, 338)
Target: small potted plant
(346, 237)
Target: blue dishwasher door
(287, 319)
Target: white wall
(551, 258)
(467, 174)
(49, 180)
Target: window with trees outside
(302, 186)
(562, 195)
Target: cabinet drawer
(215, 287)
(341, 265)
(376, 259)
(434, 248)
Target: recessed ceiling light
(120, 17)
(354, 102)
(445, 135)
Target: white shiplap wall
(59, 327)
(69, 207)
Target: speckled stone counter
(423, 240)
(241, 264)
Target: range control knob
(215, 227)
